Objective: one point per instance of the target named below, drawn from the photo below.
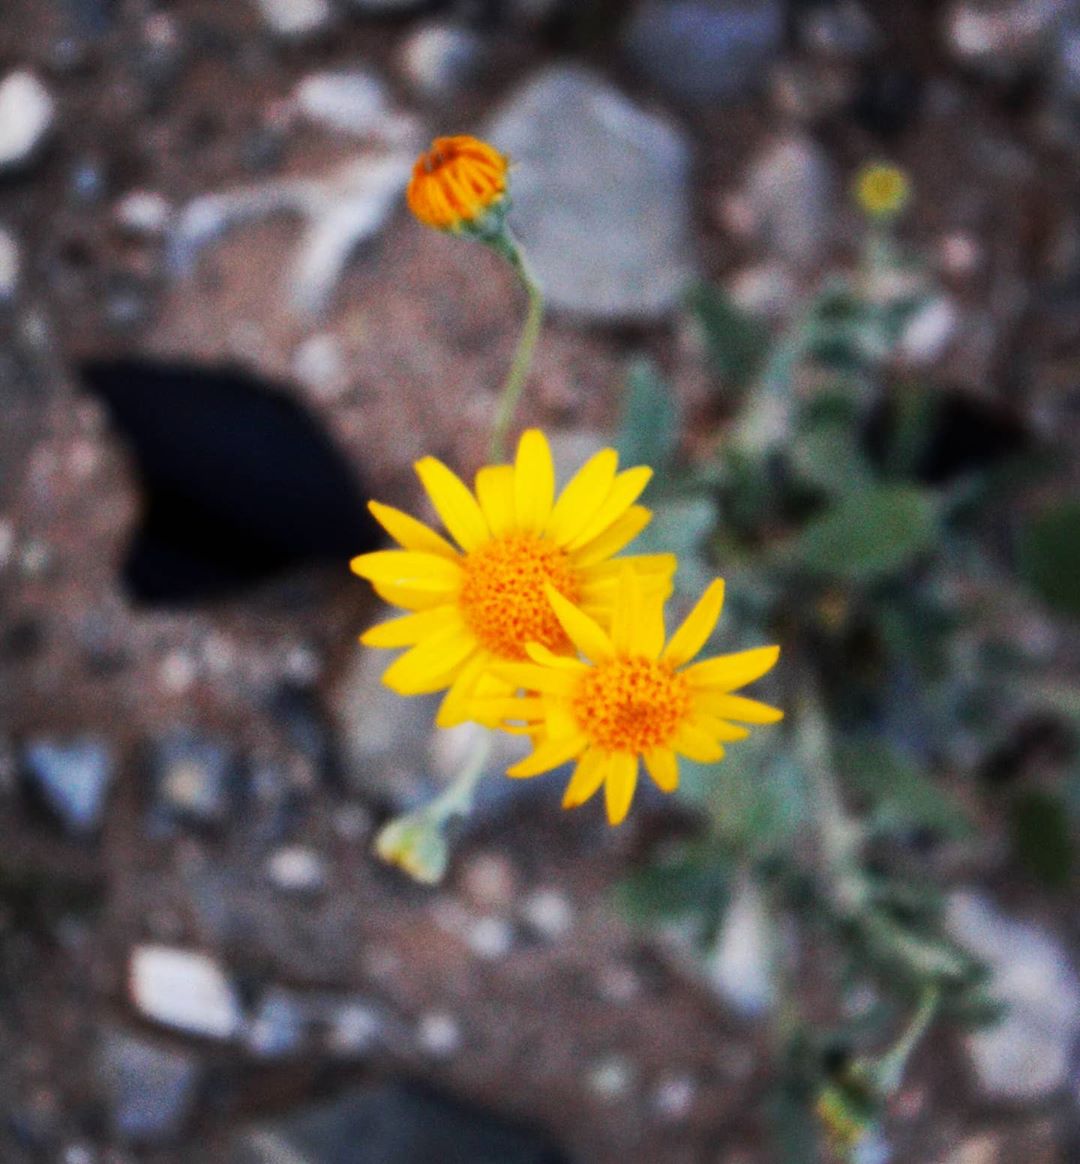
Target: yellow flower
(882, 190)
(484, 602)
(457, 182)
(636, 699)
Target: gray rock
(27, 112)
(193, 775)
(185, 990)
(600, 196)
(390, 1124)
(791, 191)
(1026, 1056)
(439, 59)
(296, 869)
(703, 51)
(296, 19)
(73, 778)
(1002, 38)
(279, 1026)
(150, 1089)
(349, 101)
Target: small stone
(1002, 38)
(319, 364)
(27, 112)
(1026, 1056)
(193, 776)
(296, 869)
(929, 332)
(549, 913)
(765, 289)
(185, 990)
(489, 881)
(739, 966)
(439, 1034)
(611, 1078)
(354, 1029)
(439, 59)
(73, 778)
(703, 51)
(600, 196)
(143, 212)
(351, 102)
(278, 1027)
(674, 1097)
(490, 938)
(151, 1089)
(10, 265)
(792, 189)
(296, 19)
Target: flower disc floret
(502, 596)
(457, 182)
(631, 704)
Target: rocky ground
(196, 948)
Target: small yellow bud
(882, 190)
(416, 844)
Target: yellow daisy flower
(482, 601)
(456, 182)
(882, 190)
(636, 698)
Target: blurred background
(220, 333)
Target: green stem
(890, 1068)
(519, 368)
(457, 798)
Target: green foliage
(1041, 837)
(649, 428)
(736, 344)
(1050, 557)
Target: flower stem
(890, 1068)
(508, 247)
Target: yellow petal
(627, 614)
(533, 677)
(663, 768)
(521, 708)
(534, 481)
(617, 535)
(584, 494)
(430, 665)
(495, 492)
(456, 705)
(454, 504)
(718, 729)
(620, 784)
(726, 672)
(589, 774)
(547, 658)
(412, 568)
(585, 634)
(695, 744)
(694, 632)
(739, 709)
(411, 628)
(410, 533)
(410, 597)
(625, 490)
(550, 754)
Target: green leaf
(736, 342)
(650, 420)
(694, 879)
(1040, 833)
(867, 536)
(900, 796)
(828, 456)
(1050, 557)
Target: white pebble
(143, 212)
(439, 1034)
(490, 938)
(9, 265)
(185, 990)
(295, 19)
(26, 116)
(549, 913)
(297, 869)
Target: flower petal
(585, 634)
(411, 628)
(627, 614)
(456, 706)
(547, 658)
(431, 665)
(620, 784)
(617, 536)
(534, 480)
(495, 492)
(726, 672)
(589, 774)
(583, 495)
(454, 503)
(551, 753)
(410, 533)
(533, 677)
(625, 490)
(698, 625)
(412, 568)
(717, 729)
(692, 742)
(738, 708)
(663, 767)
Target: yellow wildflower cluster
(529, 622)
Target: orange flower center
(631, 704)
(456, 181)
(502, 598)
